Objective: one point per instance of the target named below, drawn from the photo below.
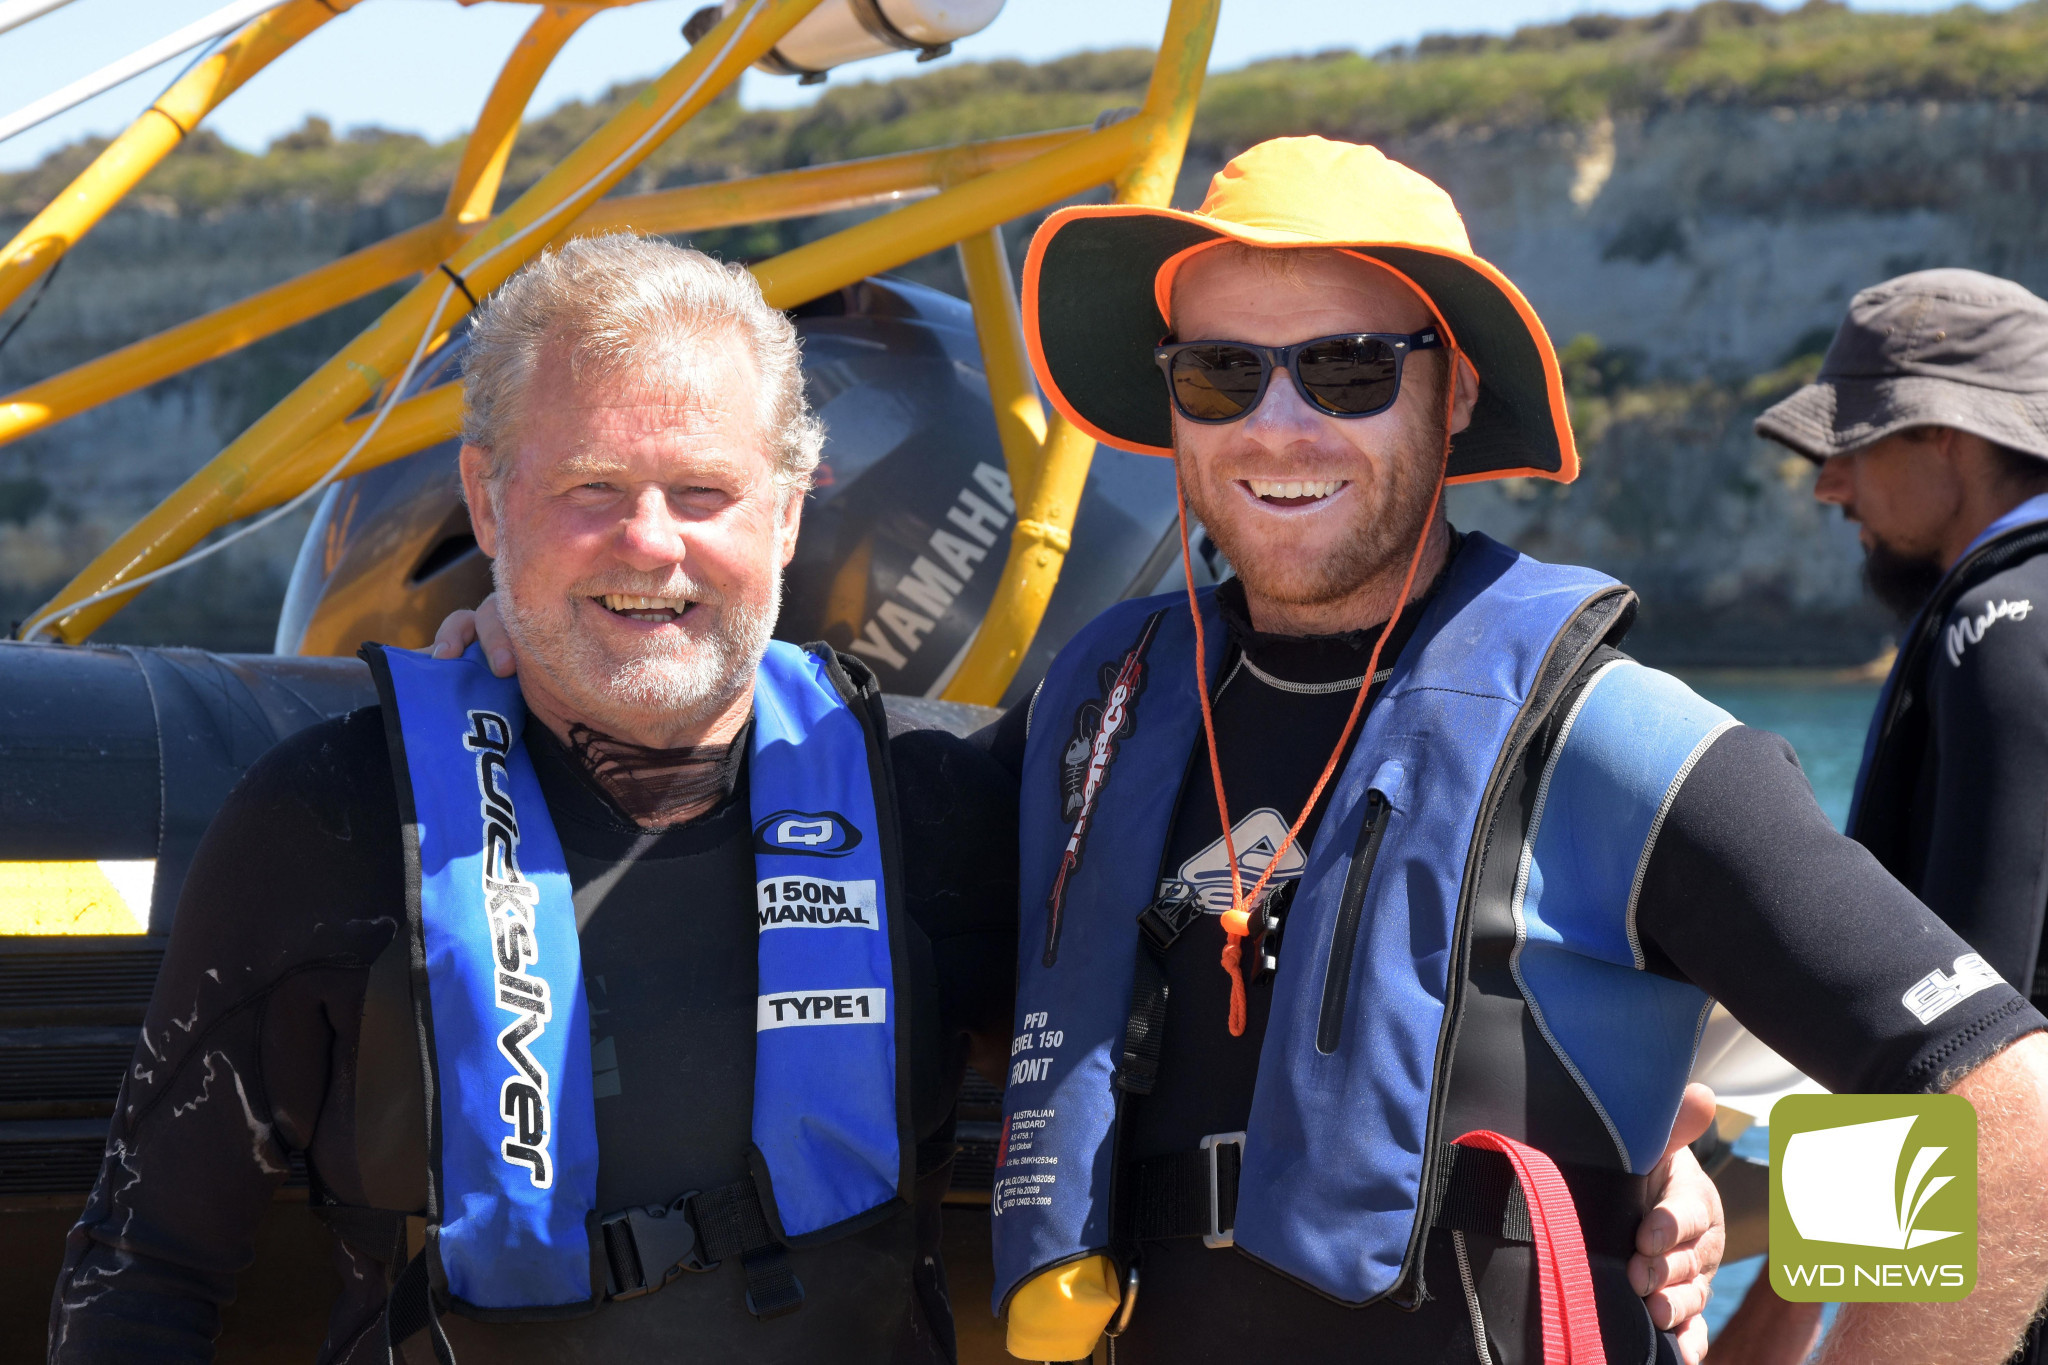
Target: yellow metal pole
(482, 168)
(1045, 523)
(691, 208)
(147, 141)
(421, 421)
(858, 252)
(1020, 417)
(814, 189)
(883, 243)
(364, 366)
(144, 362)
(430, 419)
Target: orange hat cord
(1237, 919)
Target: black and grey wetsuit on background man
(281, 1025)
(1955, 799)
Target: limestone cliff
(1704, 248)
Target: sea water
(1824, 716)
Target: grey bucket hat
(1949, 348)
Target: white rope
(15, 13)
(222, 20)
(398, 387)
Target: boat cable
(654, 131)
(42, 288)
(223, 20)
(15, 13)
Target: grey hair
(622, 304)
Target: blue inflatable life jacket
(1479, 828)
(498, 988)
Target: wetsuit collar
(1318, 659)
(2032, 510)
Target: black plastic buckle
(658, 1237)
(1165, 920)
(1265, 928)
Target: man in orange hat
(1373, 900)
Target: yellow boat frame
(469, 250)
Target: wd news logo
(1873, 1198)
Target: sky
(424, 66)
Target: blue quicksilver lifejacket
(1437, 861)
(498, 986)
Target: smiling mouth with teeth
(658, 610)
(1292, 492)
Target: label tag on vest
(869, 1006)
(813, 903)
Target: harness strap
(1564, 1282)
(1160, 926)
(409, 1310)
(731, 1222)
(643, 1249)
(1169, 1196)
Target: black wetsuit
(259, 1044)
(1748, 894)
(1958, 809)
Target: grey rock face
(1705, 249)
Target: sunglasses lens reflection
(1350, 376)
(1216, 383)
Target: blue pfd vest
(1895, 745)
(1433, 826)
(498, 985)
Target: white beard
(665, 684)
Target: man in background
(1929, 421)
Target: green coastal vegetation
(1724, 52)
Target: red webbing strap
(1571, 1322)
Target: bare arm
(2010, 1093)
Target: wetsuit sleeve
(1987, 850)
(959, 812)
(1752, 895)
(288, 901)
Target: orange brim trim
(1553, 376)
(1162, 281)
(1034, 257)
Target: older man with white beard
(617, 1011)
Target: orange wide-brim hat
(1098, 279)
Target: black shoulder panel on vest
(1503, 1075)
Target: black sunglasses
(1356, 374)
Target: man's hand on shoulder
(463, 628)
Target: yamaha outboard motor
(903, 539)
